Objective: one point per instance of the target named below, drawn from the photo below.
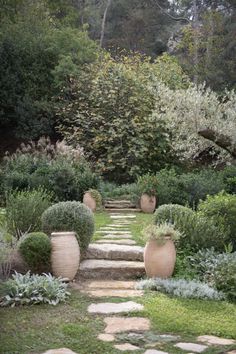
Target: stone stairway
(114, 205)
(115, 255)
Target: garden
(117, 177)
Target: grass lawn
(141, 221)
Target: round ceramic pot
(147, 203)
(89, 201)
(65, 255)
(159, 260)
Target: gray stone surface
(114, 232)
(111, 284)
(215, 340)
(117, 236)
(193, 347)
(124, 324)
(122, 217)
(111, 307)
(106, 337)
(112, 293)
(154, 351)
(114, 252)
(117, 241)
(59, 351)
(126, 346)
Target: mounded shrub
(221, 209)
(35, 249)
(225, 275)
(70, 216)
(24, 210)
(199, 232)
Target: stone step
(118, 201)
(114, 252)
(117, 241)
(134, 210)
(114, 232)
(107, 269)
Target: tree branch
(169, 15)
(222, 140)
(104, 22)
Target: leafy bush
(225, 275)
(35, 249)
(182, 288)
(97, 197)
(58, 168)
(70, 216)
(125, 191)
(24, 210)
(161, 232)
(221, 209)
(34, 289)
(187, 188)
(199, 231)
(147, 184)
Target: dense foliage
(34, 289)
(70, 216)
(35, 249)
(24, 210)
(58, 168)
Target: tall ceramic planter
(89, 201)
(147, 203)
(65, 254)
(159, 260)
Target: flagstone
(110, 307)
(154, 351)
(126, 346)
(106, 337)
(114, 252)
(59, 351)
(124, 324)
(115, 232)
(117, 236)
(125, 293)
(197, 348)
(117, 241)
(215, 340)
(112, 284)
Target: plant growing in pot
(147, 186)
(93, 199)
(160, 252)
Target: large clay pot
(89, 201)
(65, 254)
(159, 260)
(147, 203)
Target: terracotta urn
(89, 201)
(65, 255)
(159, 259)
(147, 203)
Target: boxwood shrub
(70, 216)
(35, 249)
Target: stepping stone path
(110, 265)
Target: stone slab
(112, 284)
(110, 307)
(193, 347)
(118, 241)
(108, 269)
(114, 252)
(124, 324)
(106, 337)
(154, 351)
(115, 226)
(59, 351)
(117, 236)
(215, 340)
(113, 293)
(115, 232)
(123, 217)
(126, 346)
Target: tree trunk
(222, 140)
(104, 22)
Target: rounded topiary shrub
(70, 216)
(221, 209)
(35, 249)
(171, 212)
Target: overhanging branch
(222, 140)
